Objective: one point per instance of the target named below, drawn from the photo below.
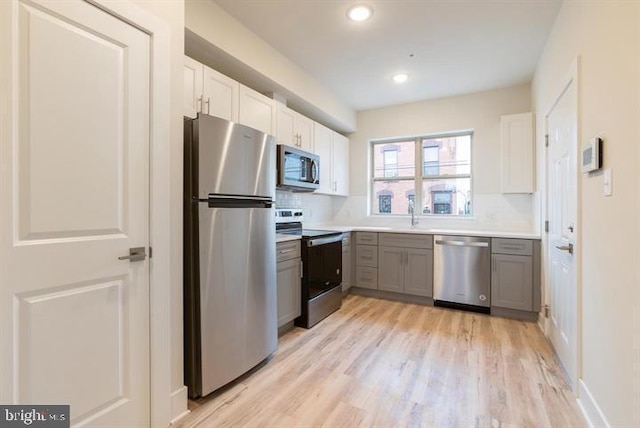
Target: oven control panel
(289, 215)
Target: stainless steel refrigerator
(230, 303)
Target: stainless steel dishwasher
(462, 272)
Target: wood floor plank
(378, 363)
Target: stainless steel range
(321, 267)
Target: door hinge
(546, 225)
(546, 140)
(546, 311)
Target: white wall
(605, 37)
(172, 14)
(209, 21)
(480, 112)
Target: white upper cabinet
(294, 129)
(220, 95)
(257, 110)
(340, 161)
(333, 150)
(517, 153)
(192, 87)
(208, 91)
(322, 143)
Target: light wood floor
(389, 364)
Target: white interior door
(74, 196)
(562, 207)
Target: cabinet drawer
(367, 255)
(519, 247)
(287, 250)
(346, 239)
(367, 238)
(406, 240)
(367, 277)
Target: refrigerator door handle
(239, 201)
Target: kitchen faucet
(412, 210)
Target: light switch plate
(608, 183)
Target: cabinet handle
(199, 102)
(208, 105)
(286, 251)
(301, 269)
(493, 264)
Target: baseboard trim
(589, 407)
(388, 295)
(179, 407)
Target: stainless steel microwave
(298, 171)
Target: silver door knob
(136, 254)
(568, 248)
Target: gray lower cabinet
(289, 281)
(512, 282)
(346, 261)
(515, 274)
(405, 264)
(366, 260)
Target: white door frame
(160, 204)
(572, 77)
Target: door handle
(568, 248)
(136, 254)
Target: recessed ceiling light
(400, 77)
(359, 13)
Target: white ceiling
(460, 46)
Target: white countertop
(281, 237)
(456, 232)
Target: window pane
(394, 159)
(392, 197)
(452, 196)
(446, 155)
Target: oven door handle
(325, 240)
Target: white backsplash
(493, 212)
(317, 209)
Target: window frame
(419, 176)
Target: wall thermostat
(592, 155)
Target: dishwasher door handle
(462, 243)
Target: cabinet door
(391, 263)
(289, 291)
(340, 164)
(516, 153)
(512, 282)
(192, 93)
(284, 125)
(257, 111)
(220, 95)
(303, 127)
(346, 268)
(418, 273)
(322, 143)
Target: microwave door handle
(314, 171)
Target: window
(384, 203)
(430, 163)
(390, 163)
(433, 171)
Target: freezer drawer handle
(136, 254)
(463, 243)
